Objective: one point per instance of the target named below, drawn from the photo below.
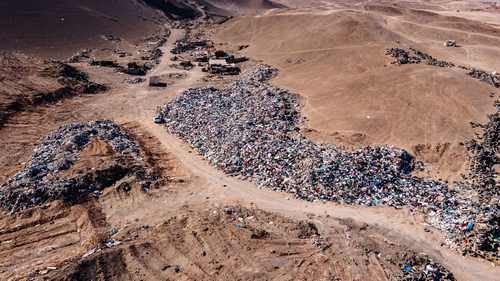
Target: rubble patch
(483, 233)
(413, 56)
(490, 78)
(186, 45)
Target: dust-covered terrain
(249, 140)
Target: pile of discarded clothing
(250, 129)
(484, 232)
(413, 56)
(46, 176)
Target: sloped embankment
(236, 243)
(26, 82)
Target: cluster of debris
(104, 63)
(186, 45)
(491, 78)
(422, 268)
(47, 175)
(483, 181)
(251, 130)
(221, 67)
(186, 65)
(137, 69)
(111, 37)
(216, 62)
(136, 80)
(154, 53)
(413, 56)
(132, 68)
(149, 56)
(220, 63)
(121, 53)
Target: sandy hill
(335, 59)
(59, 28)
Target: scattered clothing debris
(422, 268)
(136, 80)
(187, 65)
(155, 81)
(80, 56)
(251, 130)
(490, 78)
(413, 56)
(43, 178)
(184, 45)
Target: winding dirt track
(221, 189)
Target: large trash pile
(413, 56)
(483, 179)
(251, 130)
(43, 179)
(490, 78)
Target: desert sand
(199, 223)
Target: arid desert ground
(249, 140)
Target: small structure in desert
(450, 43)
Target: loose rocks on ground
(46, 176)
